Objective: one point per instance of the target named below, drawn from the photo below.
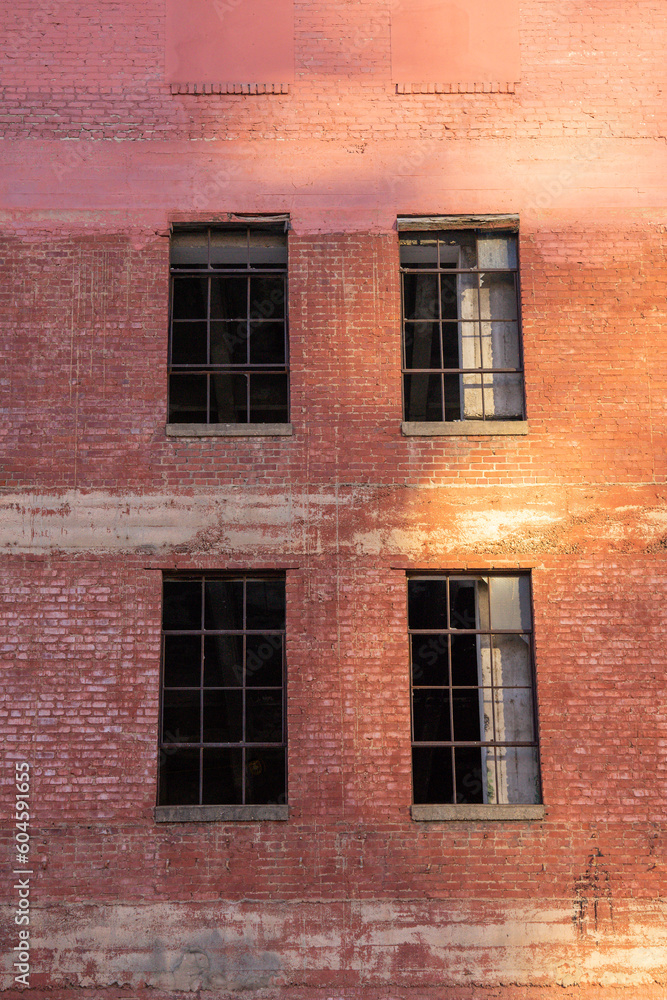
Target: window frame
(444, 811)
(441, 226)
(241, 811)
(209, 369)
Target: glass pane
(423, 397)
(503, 397)
(430, 716)
(182, 661)
(190, 298)
(187, 399)
(223, 716)
(420, 296)
(179, 777)
(429, 659)
(223, 605)
(223, 660)
(468, 766)
(182, 604)
(229, 343)
(189, 249)
(497, 296)
(222, 782)
(452, 385)
(188, 344)
(427, 603)
(510, 602)
(464, 660)
(229, 401)
(432, 775)
(267, 296)
(265, 777)
(264, 716)
(517, 776)
(265, 604)
(229, 248)
(497, 251)
(264, 660)
(422, 345)
(229, 297)
(268, 248)
(467, 718)
(418, 250)
(500, 344)
(268, 399)
(180, 716)
(513, 713)
(267, 343)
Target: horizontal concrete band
(220, 814)
(229, 430)
(426, 428)
(447, 813)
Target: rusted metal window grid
(446, 238)
(246, 749)
(452, 632)
(239, 373)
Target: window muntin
(461, 326)
(474, 737)
(222, 715)
(228, 349)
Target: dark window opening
(461, 326)
(474, 737)
(228, 349)
(222, 724)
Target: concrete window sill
(220, 814)
(425, 428)
(446, 813)
(229, 430)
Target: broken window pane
(459, 316)
(472, 689)
(265, 776)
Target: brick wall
(350, 899)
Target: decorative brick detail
(229, 88)
(456, 88)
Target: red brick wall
(350, 899)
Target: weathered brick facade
(350, 898)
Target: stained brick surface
(350, 899)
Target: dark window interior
(222, 728)
(228, 353)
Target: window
(461, 342)
(228, 336)
(473, 714)
(222, 730)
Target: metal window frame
(277, 224)
(243, 745)
(452, 744)
(438, 227)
